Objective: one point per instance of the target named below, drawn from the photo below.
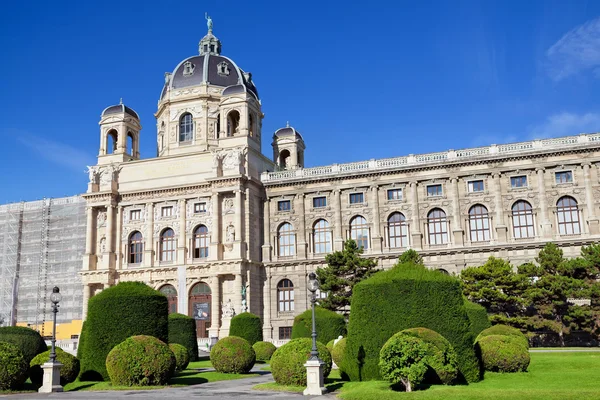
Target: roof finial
(121, 100)
(287, 124)
(209, 22)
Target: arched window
(201, 242)
(186, 128)
(233, 123)
(167, 245)
(522, 217)
(251, 124)
(171, 293)
(130, 142)
(111, 141)
(568, 216)
(359, 231)
(479, 223)
(286, 240)
(218, 126)
(135, 248)
(199, 308)
(284, 156)
(285, 295)
(437, 225)
(321, 237)
(397, 231)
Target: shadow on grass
(82, 386)
(187, 379)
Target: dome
(119, 108)
(288, 131)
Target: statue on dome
(209, 22)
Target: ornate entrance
(171, 293)
(199, 308)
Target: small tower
(119, 135)
(288, 148)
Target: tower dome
(119, 108)
(288, 148)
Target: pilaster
(376, 239)
(416, 236)
(301, 245)
(501, 228)
(267, 248)
(338, 240)
(592, 219)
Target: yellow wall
(63, 331)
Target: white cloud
(577, 51)
(58, 153)
(566, 124)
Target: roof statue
(209, 22)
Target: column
(110, 236)
(376, 233)
(215, 235)
(301, 231)
(267, 328)
(181, 242)
(338, 239)
(457, 231)
(501, 228)
(118, 241)
(215, 307)
(89, 259)
(148, 260)
(86, 299)
(415, 235)
(239, 224)
(546, 224)
(592, 219)
(237, 293)
(266, 248)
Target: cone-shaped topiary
(505, 330)
(478, 317)
(115, 314)
(247, 326)
(29, 342)
(287, 363)
(502, 353)
(264, 350)
(140, 361)
(182, 330)
(330, 325)
(232, 355)
(182, 358)
(13, 368)
(68, 372)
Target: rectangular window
(564, 177)
(356, 198)
(394, 194)
(518, 181)
(284, 205)
(285, 332)
(199, 208)
(319, 202)
(166, 211)
(135, 215)
(434, 190)
(475, 186)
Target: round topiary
(287, 363)
(182, 330)
(503, 353)
(440, 357)
(140, 361)
(330, 325)
(264, 350)
(13, 368)
(402, 360)
(247, 326)
(182, 358)
(232, 355)
(29, 342)
(68, 372)
(338, 351)
(505, 330)
(115, 314)
(330, 344)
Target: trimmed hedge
(140, 361)
(68, 372)
(330, 344)
(115, 314)
(330, 325)
(13, 367)
(182, 358)
(337, 352)
(182, 330)
(477, 316)
(407, 296)
(232, 354)
(264, 350)
(29, 342)
(287, 363)
(505, 330)
(247, 326)
(502, 353)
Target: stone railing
(433, 158)
(68, 345)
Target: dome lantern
(209, 44)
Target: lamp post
(55, 298)
(315, 383)
(51, 381)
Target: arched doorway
(200, 307)
(171, 293)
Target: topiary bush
(330, 344)
(115, 314)
(505, 330)
(502, 353)
(232, 355)
(29, 342)
(247, 326)
(13, 367)
(140, 361)
(182, 330)
(264, 350)
(403, 297)
(478, 317)
(330, 325)
(440, 357)
(402, 360)
(182, 357)
(287, 363)
(68, 372)
(338, 351)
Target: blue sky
(358, 80)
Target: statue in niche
(230, 235)
(103, 245)
(227, 309)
